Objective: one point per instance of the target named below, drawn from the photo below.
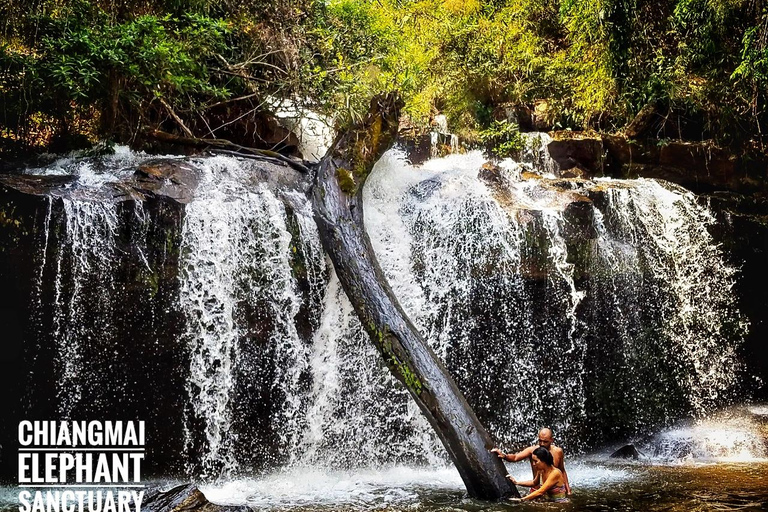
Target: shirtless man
(545, 441)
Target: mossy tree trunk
(337, 198)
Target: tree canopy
(76, 70)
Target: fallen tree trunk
(338, 205)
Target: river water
(720, 463)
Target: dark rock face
(583, 153)
(138, 356)
(700, 167)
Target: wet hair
(543, 455)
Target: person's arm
(561, 467)
(548, 484)
(514, 457)
(524, 483)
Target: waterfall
(357, 415)
(85, 257)
(468, 258)
(516, 295)
(77, 256)
(237, 276)
(667, 229)
(549, 300)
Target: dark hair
(543, 455)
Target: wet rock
(699, 166)
(558, 194)
(498, 181)
(574, 172)
(413, 141)
(626, 452)
(35, 185)
(492, 173)
(416, 146)
(183, 498)
(584, 153)
(173, 179)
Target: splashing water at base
(238, 264)
(388, 488)
(735, 436)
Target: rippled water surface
(597, 486)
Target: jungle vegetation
(73, 71)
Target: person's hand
(512, 479)
(516, 500)
(499, 453)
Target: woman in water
(547, 480)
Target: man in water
(545, 441)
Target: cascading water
(76, 289)
(595, 307)
(692, 285)
(85, 256)
(724, 439)
(357, 416)
(513, 281)
(236, 272)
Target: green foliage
(594, 63)
(77, 64)
(156, 56)
(502, 139)
(754, 54)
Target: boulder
(626, 452)
(183, 498)
(576, 151)
(174, 179)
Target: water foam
(304, 486)
(718, 439)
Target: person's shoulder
(556, 449)
(554, 474)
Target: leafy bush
(502, 139)
(120, 69)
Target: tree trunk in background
(337, 199)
